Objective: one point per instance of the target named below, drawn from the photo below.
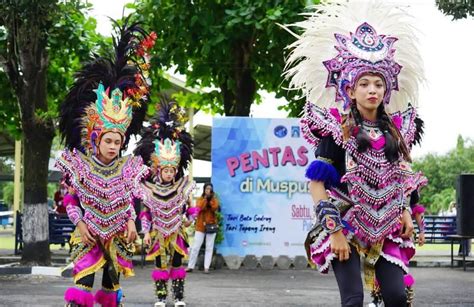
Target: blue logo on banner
(295, 131)
(280, 131)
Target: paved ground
(435, 287)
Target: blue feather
(322, 171)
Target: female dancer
(361, 180)
(167, 148)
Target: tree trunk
(38, 140)
(38, 134)
(246, 86)
(229, 99)
(26, 63)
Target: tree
(7, 193)
(234, 47)
(442, 172)
(41, 43)
(9, 114)
(6, 166)
(458, 9)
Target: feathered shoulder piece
(318, 122)
(165, 143)
(409, 124)
(109, 94)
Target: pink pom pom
(418, 209)
(409, 280)
(108, 299)
(70, 200)
(80, 297)
(178, 273)
(193, 211)
(160, 275)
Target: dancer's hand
(187, 223)
(131, 231)
(86, 236)
(147, 239)
(407, 225)
(339, 245)
(421, 239)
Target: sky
(446, 102)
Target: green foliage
(52, 188)
(6, 166)
(233, 47)
(459, 9)
(9, 113)
(220, 232)
(7, 190)
(206, 102)
(70, 38)
(442, 172)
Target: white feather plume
(304, 65)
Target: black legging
(349, 280)
(88, 280)
(176, 262)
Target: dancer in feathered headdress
(106, 104)
(167, 148)
(358, 66)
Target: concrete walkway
(434, 287)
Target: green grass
(437, 247)
(8, 242)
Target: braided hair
(394, 142)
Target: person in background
(451, 210)
(58, 200)
(206, 226)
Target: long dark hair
(394, 142)
(208, 184)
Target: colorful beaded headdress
(167, 153)
(165, 143)
(324, 75)
(109, 94)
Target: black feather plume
(166, 123)
(420, 124)
(117, 71)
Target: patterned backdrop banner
(258, 170)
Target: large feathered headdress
(383, 42)
(109, 93)
(165, 143)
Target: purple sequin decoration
(362, 52)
